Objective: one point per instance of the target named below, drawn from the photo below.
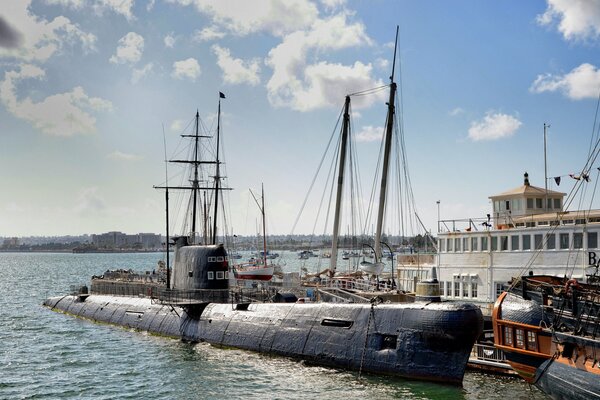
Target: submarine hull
(428, 341)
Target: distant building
(10, 242)
(120, 240)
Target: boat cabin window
(551, 241)
(494, 243)
(508, 336)
(211, 275)
(538, 241)
(564, 240)
(543, 223)
(526, 242)
(514, 242)
(577, 240)
(503, 243)
(474, 244)
(337, 323)
(539, 203)
(554, 223)
(557, 204)
(519, 224)
(529, 204)
(520, 338)
(531, 341)
(549, 204)
(474, 293)
(592, 238)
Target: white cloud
(130, 49)
(332, 4)
(118, 155)
(582, 82)
(186, 69)
(207, 34)
(304, 87)
(140, 73)
(370, 134)
(579, 19)
(122, 7)
(456, 111)
(40, 38)
(150, 5)
(63, 114)
(494, 126)
(89, 201)
(242, 17)
(236, 70)
(170, 40)
(177, 125)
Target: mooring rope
(362, 357)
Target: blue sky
(86, 87)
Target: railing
(487, 353)
(354, 284)
(197, 296)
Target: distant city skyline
(88, 87)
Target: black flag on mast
(221, 95)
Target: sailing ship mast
(386, 156)
(340, 187)
(195, 187)
(261, 206)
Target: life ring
(571, 283)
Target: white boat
(528, 230)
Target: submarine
(427, 340)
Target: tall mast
(546, 126)
(340, 187)
(217, 177)
(386, 155)
(195, 180)
(262, 210)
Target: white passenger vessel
(528, 231)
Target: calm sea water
(48, 355)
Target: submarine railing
(199, 296)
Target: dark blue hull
(429, 341)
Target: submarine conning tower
(200, 276)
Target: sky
(90, 90)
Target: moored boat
(548, 328)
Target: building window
(499, 288)
(442, 246)
(211, 275)
(520, 338)
(538, 241)
(457, 288)
(465, 289)
(465, 244)
(503, 243)
(457, 244)
(577, 240)
(494, 243)
(549, 204)
(592, 240)
(557, 204)
(564, 240)
(551, 241)
(484, 244)
(474, 287)
(448, 288)
(508, 336)
(449, 243)
(531, 341)
(474, 244)
(526, 242)
(514, 242)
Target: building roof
(528, 191)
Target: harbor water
(47, 355)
